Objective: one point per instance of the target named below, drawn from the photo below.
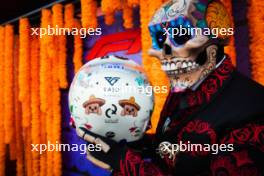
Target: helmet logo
(109, 112)
(135, 130)
(110, 134)
(130, 107)
(111, 80)
(93, 105)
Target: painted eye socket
(181, 39)
(160, 39)
(180, 25)
(157, 36)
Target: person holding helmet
(210, 104)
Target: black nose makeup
(167, 49)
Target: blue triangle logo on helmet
(111, 80)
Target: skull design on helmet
(188, 57)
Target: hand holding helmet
(108, 104)
(110, 155)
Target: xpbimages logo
(167, 148)
(192, 31)
(50, 147)
(49, 30)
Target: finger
(104, 146)
(97, 162)
(80, 132)
(85, 136)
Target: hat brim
(99, 101)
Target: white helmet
(110, 97)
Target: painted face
(130, 110)
(93, 108)
(177, 30)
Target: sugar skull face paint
(187, 57)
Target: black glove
(110, 155)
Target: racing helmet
(109, 97)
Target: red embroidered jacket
(227, 108)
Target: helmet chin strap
(196, 85)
